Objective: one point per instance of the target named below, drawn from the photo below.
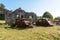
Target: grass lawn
(2, 21)
(36, 33)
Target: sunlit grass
(36, 33)
(2, 21)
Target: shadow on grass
(23, 28)
(43, 26)
(18, 28)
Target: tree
(57, 18)
(30, 18)
(2, 5)
(47, 15)
(39, 17)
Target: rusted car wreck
(22, 23)
(44, 22)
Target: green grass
(36, 33)
(2, 21)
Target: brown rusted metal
(44, 22)
(23, 23)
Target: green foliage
(2, 5)
(47, 15)
(57, 18)
(30, 18)
(12, 23)
(2, 16)
(19, 16)
(39, 17)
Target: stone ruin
(12, 15)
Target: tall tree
(47, 15)
(2, 5)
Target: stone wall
(13, 15)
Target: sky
(36, 6)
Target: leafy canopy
(57, 18)
(2, 5)
(47, 15)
